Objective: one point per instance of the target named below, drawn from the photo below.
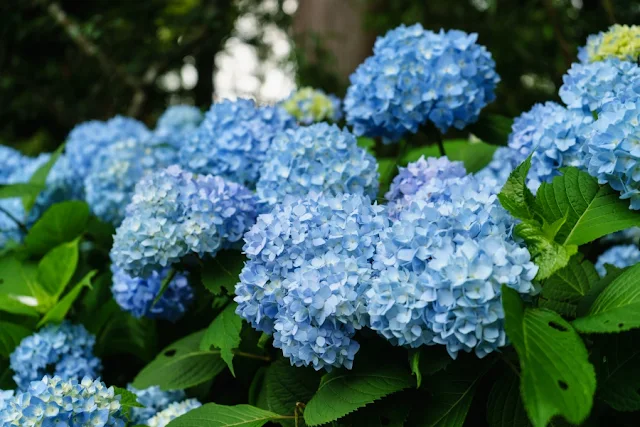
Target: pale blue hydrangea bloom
(553, 134)
(233, 139)
(620, 256)
(417, 76)
(174, 213)
(5, 396)
(173, 411)
(136, 295)
(318, 158)
(10, 160)
(432, 171)
(503, 162)
(591, 86)
(54, 402)
(64, 350)
(309, 264)
(442, 264)
(154, 400)
(176, 124)
(116, 170)
(613, 149)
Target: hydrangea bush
(266, 265)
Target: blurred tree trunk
(339, 25)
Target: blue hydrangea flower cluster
(442, 265)
(116, 170)
(503, 162)
(429, 172)
(309, 105)
(174, 213)
(54, 402)
(154, 400)
(612, 149)
(87, 139)
(620, 256)
(173, 411)
(5, 396)
(136, 295)
(64, 350)
(630, 235)
(318, 158)
(309, 265)
(233, 139)
(176, 124)
(552, 133)
(417, 76)
(10, 160)
(591, 86)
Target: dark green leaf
(285, 385)
(214, 415)
(223, 271)
(19, 190)
(564, 289)
(427, 361)
(181, 365)
(367, 143)
(391, 411)
(592, 210)
(619, 375)
(60, 310)
(18, 279)
(56, 268)
(596, 289)
(504, 406)
(127, 399)
(492, 128)
(548, 255)
(476, 156)
(617, 308)
(342, 391)
(10, 336)
(515, 196)
(62, 222)
(557, 378)
(13, 305)
(388, 169)
(224, 334)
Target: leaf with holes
(515, 196)
(284, 386)
(563, 290)
(224, 334)
(342, 391)
(181, 365)
(619, 375)
(56, 268)
(222, 272)
(617, 308)
(592, 210)
(557, 378)
(504, 405)
(10, 336)
(61, 223)
(214, 415)
(60, 310)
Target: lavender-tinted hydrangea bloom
(64, 350)
(417, 76)
(591, 86)
(54, 402)
(233, 139)
(173, 411)
(620, 256)
(117, 169)
(442, 264)
(154, 400)
(318, 158)
(552, 133)
(432, 171)
(174, 213)
(309, 265)
(612, 149)
(136, 295)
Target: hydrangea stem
(438, 136)
(14, 219)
